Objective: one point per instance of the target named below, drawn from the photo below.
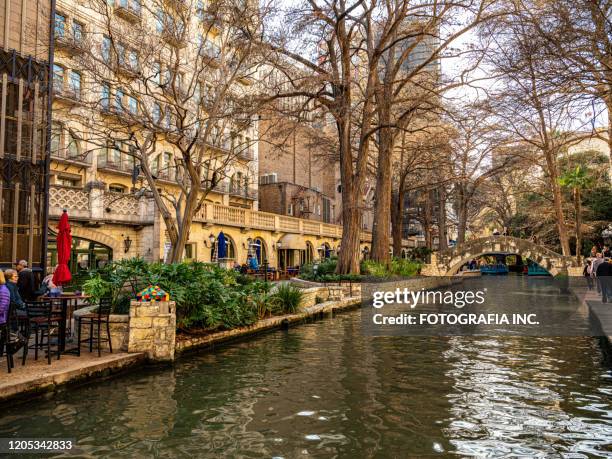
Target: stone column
(96, 200)
(153, 329)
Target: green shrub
(405, 268)
(374, 269)
(288, 297)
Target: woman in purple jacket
(5, 299)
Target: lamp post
(315, 270)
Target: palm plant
(577, 180)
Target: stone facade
(153, 329)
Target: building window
(60, 25)
(73, 146)
(106, 49)
(105, 97)
(77, 31)
(56, 138)
(119, 100)
(190, 251)
(132, 104)
(68, 181)
(58, 78)
(327, 214)
(75, 84)
(116, 188)
(156, 113)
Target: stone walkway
(602, 312)
(37, 376)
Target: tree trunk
(442, 236)
(461, 217)
(578, 206)
(352, 192)
(397, 221)
(428, 221)
(382, 206)
(609, 106)
(551, 162)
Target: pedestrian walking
(594, 265)
(604, 275)
(586, 272)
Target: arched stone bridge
(448, 262)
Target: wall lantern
(127, 243)
(211, 240)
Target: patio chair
(101, 316)
(11, 340)
(42, 322)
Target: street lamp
(279, 245)
(315, 269)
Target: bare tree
(576, 50)
(173, 96)
(528, 106)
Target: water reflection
(326, 390)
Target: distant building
(24, 121)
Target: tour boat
(536, 270)
(494, 269)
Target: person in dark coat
(26, 282)
(604, 275)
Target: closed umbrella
(64, 245)
(221, 246)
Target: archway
(224, 248)
(449, 262)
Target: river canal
(326, 390)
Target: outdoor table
(64, 300)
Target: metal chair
(101, 316)
(11, 341)
(42, 320)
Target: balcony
(210, 53)
(126, 68)
(248, 154)
(70, 44)
(177, 5)
(98, 205)
(124, 165)
(130, 10)
(174, 34)
(63, 154)
(66, 96)
(244, 192)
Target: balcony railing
(100, 205)
(244, 192)
(130, 10)
(70, 43)
(247, 154)
(122, 165)
(66, 94)
(174, 34)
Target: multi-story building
(295, 178)
(123, 71)
(24, 108)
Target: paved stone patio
(37, 376)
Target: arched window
(224, 248)
(74, 150)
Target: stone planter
(119, 328)
(152, 329)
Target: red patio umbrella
(64, 245)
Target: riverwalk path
(600, 312)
